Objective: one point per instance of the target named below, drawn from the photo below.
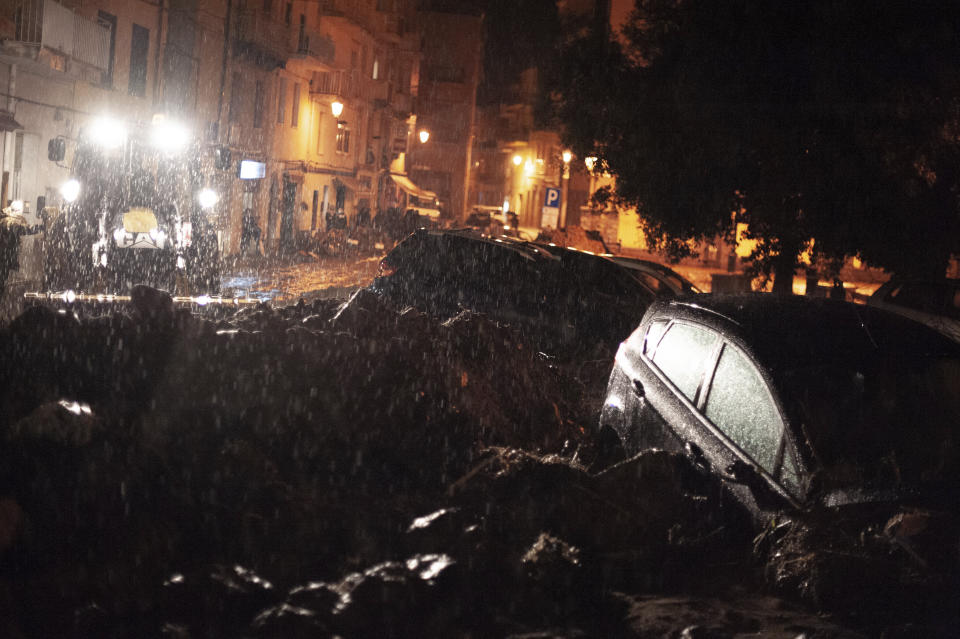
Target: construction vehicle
(133, 214)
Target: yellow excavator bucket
(139, 220)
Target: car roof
(468, 236)
(655, 269)
(792, 331)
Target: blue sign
(551, 198)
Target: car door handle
(638, 388)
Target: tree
(824, 120)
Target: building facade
(446, 107)
(295, 109)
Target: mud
(350, 470)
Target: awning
(348, 183)
(412, 189)
(7, 123)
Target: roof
(792, 331)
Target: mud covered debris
(338, 469)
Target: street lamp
(517, 160)
(567, 156)
(336, 107)
(424, 136)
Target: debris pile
(336, 469)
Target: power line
(45, 104)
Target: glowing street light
(567, 156)
(424, 136)
(517, 160)
(590, 162)
(336, 108)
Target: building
(296, 110)
(446, 107)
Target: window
(258, 106)
(654, 333)
(740, 405)
(267, 6)
(281, 100)
(139, 47)
(288, 14)
(295, 114)
(109, 21)
(376, 69)
(236, 97)
(343, 139)
(683, 355)
(314, 210)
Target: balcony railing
(264, 35)
(316, 45)
(332, 83)
(52, 25)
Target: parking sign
(551, 208)
(551, 198)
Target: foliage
(824, 120)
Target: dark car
(662, 279)
(792, 401)
(562, 296)
(935, 303)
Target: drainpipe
(161, 50)
(8, 146)
(223, 68)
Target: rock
(151, 304)
(65, 423)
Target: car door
(741, 421)
(656, 381)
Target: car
(563, 297)
(935, 303)
(662, 279)
(790, 402)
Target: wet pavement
(287, 279)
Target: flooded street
(286, 280)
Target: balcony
(265, 38)
(50, 25)
(326, 84)
(316, 45)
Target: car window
(740, 405)
(654, 333)
(683, 355)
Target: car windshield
(881, 422)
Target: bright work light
(70, 190)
